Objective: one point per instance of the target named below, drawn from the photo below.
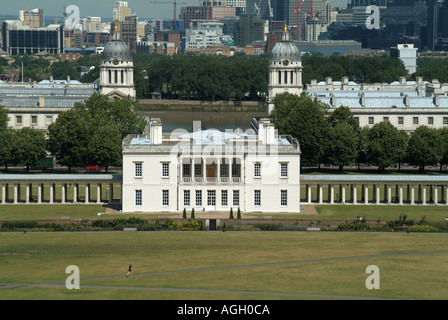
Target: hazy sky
(103, 8)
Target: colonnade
(61, 192)
(375, 193)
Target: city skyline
(103, 8)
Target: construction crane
(175, 5)
(297, 18)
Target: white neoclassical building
(211, 170)
(117, 70)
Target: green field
(325, 212)
(223, 265)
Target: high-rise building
(249, 29)
(20, 39)
(33, 18)
(121, 11)
(205, 13)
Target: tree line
(91, 133)
(337, 139)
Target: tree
(424, 148)
(6, 143)
(68, 139)
(343, 146)
(443, 138)
(92, 132)
(231, 213)
(362, 146)
(28, 147)
(3, 118)
(303, 118)
(384, 145)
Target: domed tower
(117, 69)
(285, 69)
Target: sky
(103, 8)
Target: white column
(27, 193)
(39, 193)
(377, 194)
(436, 196)
(3, 194)
(412, 195)
(204, 170)
(63, 192)
(424, 195)
(320, 193)
(98, 193)
(366, 194)
(15, 193)
(355, 196)
(51, 192)
(401, 194)
(343, 194)
(75, 193)
(86, 200)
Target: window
(236, 198)
(283, 198)
(197, 170)
(445, 120)
(257, 169)
(19, 120)
(430, 120)
(224, 198)
(279, 77)
(198, 198)
(292, 77)
(165, 169)
(415, 120)
(138, 170)
(211, 198)
(110, 76)
(122, 76)
(224, 170)
(116, 76)
(186, 170)
(187, 198)
(357, 119)
(138, 197)
(386, 119)
(371, 121)
(33, 120)
(284, 170)
(257, 197)
(49, 119)
(165, 197)
(400, 120)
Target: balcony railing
(190, 180)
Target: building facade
(210, 170)
(18, 39)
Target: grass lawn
(382, 212)
(43, 257)
(56, 211)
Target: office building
(20, 39)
